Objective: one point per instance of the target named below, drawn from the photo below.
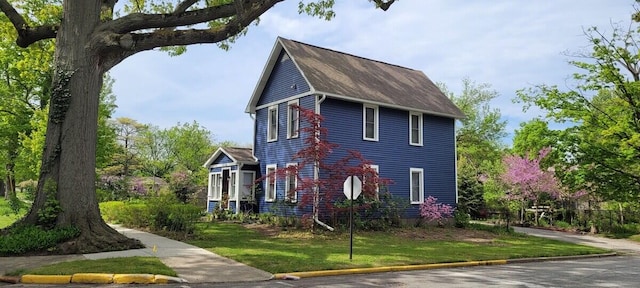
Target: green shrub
(23, 239)
(169, 214)
(562, 224)
(461, 219)
(127, 213)
(111, 210)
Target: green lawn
(6, 214)
(129, 265)
(300, 251)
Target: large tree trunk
(68, 165)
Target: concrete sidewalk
(194, 264)
(618, 245)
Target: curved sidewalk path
(618, 245)
(194, 264)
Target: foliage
(169, 214)
(527, 180)
(23, 239)
(49, 213)
(461, 219)
(601, 109)
(75, 86)
(431, 210)
(182, 183)
(478, 144)
(160, 213)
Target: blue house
(395, 116)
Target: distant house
(395, 116)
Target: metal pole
(351, 224)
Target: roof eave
(264, 77)
(383, 104)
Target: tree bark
(68, 165)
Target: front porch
(232, 173)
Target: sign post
(352, 188)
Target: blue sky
(507, 44)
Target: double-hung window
(291, 183)
(293, 119)
(270, 185)
(415, 128)
(215, 186)
(370, 122)
(417, 185)
(272, 122)
(232, 185)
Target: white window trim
(266, 183)
(421, 181)
(376, 122)
(420, 128)
(290, 133)
(215, 194)
(293, 199)
(233, 185)
(269, 120)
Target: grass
(7, 217)
(128, 265)
(301, 251)
(635, 238)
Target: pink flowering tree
(431, 210)
(527, 181)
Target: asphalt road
(619, 271)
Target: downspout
(316, 174)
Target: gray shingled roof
(238, 154)
(350, 77)
(244, 155)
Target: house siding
(393, 153)
(281, 151)
(284, 81)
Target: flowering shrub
(431, 210)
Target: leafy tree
(602, 110)
(527, 181)
(154, 152)
(478, 142)
(89, 42)
(125, 161)
(25, 77)
(190, 145)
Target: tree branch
(140, 21)
(26, 35)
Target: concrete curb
(322, 273)
(103, 278)
(100, 278)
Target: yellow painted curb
(387, 269)
(92, 278)
(45, 279)
(133, 278)
(163, 279)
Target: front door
(225, 188)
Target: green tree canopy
(602, 111)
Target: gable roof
(355, 78)
(237, 154)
